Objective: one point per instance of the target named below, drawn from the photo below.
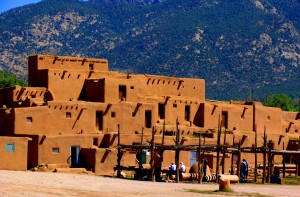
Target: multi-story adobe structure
(70, 112)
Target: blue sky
(9, 4)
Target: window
(68, 115)
(113, 114)
(174, 105)
(55, 150)
(122, 92)
(99, 120)
(29, 119)
(193, 157)
(91, 66)
(269, 117)
(187, 111)
(225, 119)
(10, 147)
(161, 110)
(148, 119)
(95, 141)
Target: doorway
(225, 119)
(75, 150)
(99, 120)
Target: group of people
(173, 167)
(182, 168)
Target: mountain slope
(234, 45)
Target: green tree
(282, 101)
(8, 80)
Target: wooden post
(140, 157)
(239, 159)
(161, 152)
(283, 165)
(232, 158)
(297, 163)
(269, 165)
(177, 151)
(119, 154)
(199, 160)
(152, 156)
(218, 150)
(264, 156)
(223, 157)
(163, 137)
(255, 155)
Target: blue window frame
(193, 157)
(10, 147)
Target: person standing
(182, 168)
(172, 170)
(246, 169)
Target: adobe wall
(40, 62)
(269, 118)
(168, 86)
(106, 160)
(239, 117)
(56, 118)
(17, 96)
(13, 151)
(290, 122)
(7, 121)
(63, 143)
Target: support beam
(177, 151)
(119, 154)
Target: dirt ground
(18, 183)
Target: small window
(10, 147)
(91, 66)
(29, 119)
(122, 92)
(68, 115)
(269, 117)
(55, 150)
(113, 114)
(175, 105)
(131, 87)
(95, 141)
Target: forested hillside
(242, 48)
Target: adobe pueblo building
(76, 112)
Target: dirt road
(17, 183)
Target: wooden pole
(199, 160)
(297, 163)
(255, 155)
(177, 151)
(163, 137)
(223, 157)
(232, 158)
(161, 152)
(218, 150)
(140, 157)
(264, 156)
(239, 160)
(152, 155)
(119, 154)
(283, 162)
(269, 165)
